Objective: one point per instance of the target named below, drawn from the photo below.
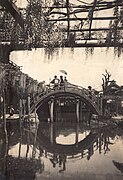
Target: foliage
(115, 35)
(38, 29)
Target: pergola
(65, 23)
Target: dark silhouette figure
(90, 91)
(62, 162)
(54, 161)
(65, 79)
(61, 82)
(55, 81)
(65, 82)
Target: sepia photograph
(61, 89)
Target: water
(62, 150)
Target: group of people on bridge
(58, 83)
(55, 84)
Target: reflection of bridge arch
(72, 149)
(71, 91)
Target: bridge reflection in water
(61, 150)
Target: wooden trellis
(77, 23)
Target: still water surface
(62, 151)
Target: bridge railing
(90, 96)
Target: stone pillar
(77, 109)
(51, 107)
(77, 134)
(81, 114)
(51, 133)
(57, 110)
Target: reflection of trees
(19, 167)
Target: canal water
(62, 150)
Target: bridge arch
(77, 92)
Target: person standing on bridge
(90, 92)
(56, 82)
(65, 79)
(61, 82)
(65, 82)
